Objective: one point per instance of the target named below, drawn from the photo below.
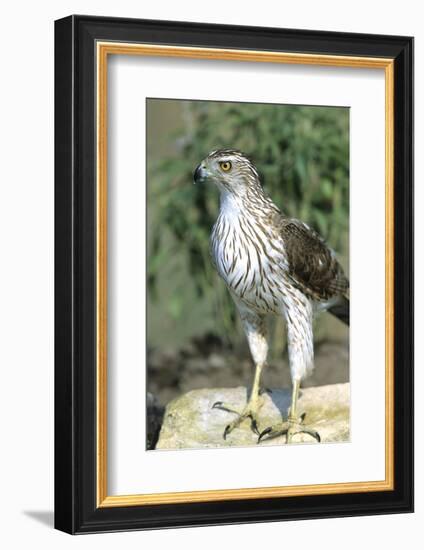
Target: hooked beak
(200, 174)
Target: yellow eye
(225, 166)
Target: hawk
(271, 264)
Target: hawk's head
(229, 169)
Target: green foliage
(302, 154)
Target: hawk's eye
(225, 166)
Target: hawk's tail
(341, 310)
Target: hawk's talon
(222, 407)
(289, 429)
(273, 432)
(249, 411)
(254, 425)
(263, 433)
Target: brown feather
(312, 264)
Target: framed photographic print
(234, 270)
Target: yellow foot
(290, 428)
(250, 411)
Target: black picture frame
(76, 509)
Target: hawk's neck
(253, 204)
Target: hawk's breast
(251, 261)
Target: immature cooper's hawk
(270, 264)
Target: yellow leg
(254, 396)
(250, 410)
(294, 424)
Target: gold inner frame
(104, 49)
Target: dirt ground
(207, 363)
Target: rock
(190, 422)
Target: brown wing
(312, 265)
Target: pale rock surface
(190, 422)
